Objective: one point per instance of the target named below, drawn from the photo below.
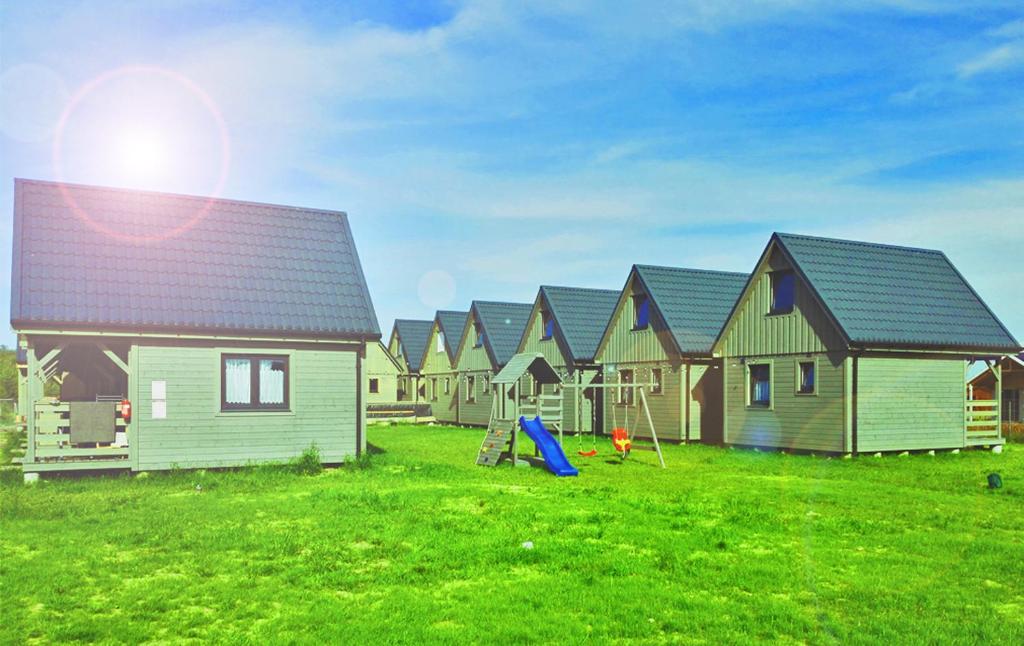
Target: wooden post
(997, 369)
(654, 434)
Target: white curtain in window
(236, 381)
(440, 341)
(762, 390)
(271, 381)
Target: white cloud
(996, 59)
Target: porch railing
(981, 419)
(53, 437)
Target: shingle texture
(693, 302)
(503, 325)
(156, 261)
(452, 324)
(413, 336)
(881, 294)
(581, 315)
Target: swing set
(508, 406)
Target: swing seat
(620, 438)
(588, 454)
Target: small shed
(850, 347)
(407, 342)
(440, 378)
(489, 339)
(661, 332)
(566, 325)
(185, 331)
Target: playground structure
(510, 409)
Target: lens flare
(139, 150)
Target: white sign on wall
(158, 395)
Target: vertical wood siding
(623, 344)
(805, 422)
(905, 404)
(196, 434)
(436, 365)
(753, 333)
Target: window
(641, 311)
(398, 351)
(626, 394)
(783, 292)
(470, 389)
(549, 326)
(1011, 406)
(479, 336)
(447, 385)
(806, 378)
(760, 385)
(440, 341)
(374, 385)
(538, 387)
(422, 390)
(433, 388)
(487, 384)
(254, 382)
(657, 386)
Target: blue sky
(484, 148)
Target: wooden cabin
(438, 365)
(566, 326)
(382, 375)
(233, 331)
(661, 332)
(489, 339)
(408, 340)
(1009, 394)
(852, 347)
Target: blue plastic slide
(554, 457)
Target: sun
(141, 152)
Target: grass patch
(420, 545)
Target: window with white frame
(806, 374)
(760, 394)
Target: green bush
(309, 462)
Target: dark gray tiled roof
(413, 336)
(452, 325)
(101, 258)
(885, 295)
(694, 303)
(503, 325)
(581, 316)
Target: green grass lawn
(420, 545)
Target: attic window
(641, 311)
(479, 337)
(549, 325)
(783, 292)
(440, 341)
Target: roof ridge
(694, 270)
(184, 196)
(862, 243)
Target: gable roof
(382, 348)
(693, 303)
(95, 258)
(884, 296)
(452, 324)
(503, 325)
(581, 316)
(412, 338)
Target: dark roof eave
(59, 328)
(925, 347)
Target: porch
(73, 393)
